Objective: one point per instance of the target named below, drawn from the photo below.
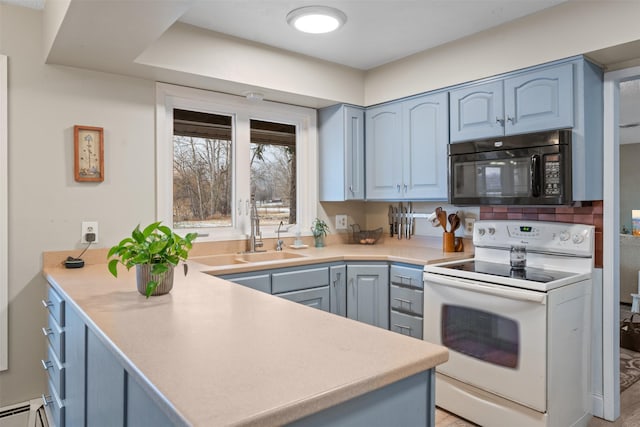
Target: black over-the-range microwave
(532, 169)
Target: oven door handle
(485, 288)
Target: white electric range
(519, 338)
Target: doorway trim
(611, 244)
(4, 220)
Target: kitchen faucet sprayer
(255, 241)
(280, 242)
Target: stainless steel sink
(244, 258)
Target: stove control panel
(574, 239)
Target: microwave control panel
(552, 175)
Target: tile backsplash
(589, 213)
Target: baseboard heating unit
(27, 414)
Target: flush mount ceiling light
(316, 19)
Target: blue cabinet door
(425, 137)
(368, 294)
(341, 152)
(476, 112)
(338, 287)
(539, 100)
(354, 153)
(316, 297)
(383, 152)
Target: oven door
(496, 336)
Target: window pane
(273, 171)
(202, 149)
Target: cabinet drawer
(406, 276)
(55, 371)
(407, 300)
(406, 324)
(55, 305)
(316, 298)
(54, 406)
(55, 336)
(259, 282)
(300, 279)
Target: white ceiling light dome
(316, 19)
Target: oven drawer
(406, 324)
(407, 300)
(406, 276)
(55, 336)
(55, 305)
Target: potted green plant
(319, 229)
(155, 251)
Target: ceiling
(376, 31)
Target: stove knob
(492, 231)
(481, 231)
(564, 236)
(578, 238)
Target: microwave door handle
(536, 183)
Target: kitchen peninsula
(216, 353)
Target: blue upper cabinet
(564, 94)
(530, 101)
(477, 112)
(341, 148)
(424, 122)
(539, 100)
(406, 149)
(383, 141)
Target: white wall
(46, 205)
(572, 28)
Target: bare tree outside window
(202, 170)
(273, 171)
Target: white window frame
(169, 97)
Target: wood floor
(447, 419)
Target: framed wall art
(88, 143)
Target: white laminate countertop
(224, 354)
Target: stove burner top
(505, 270)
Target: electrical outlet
(341, 222)
(89, 227)
(468, 226)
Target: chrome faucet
(255, 241)
(280, 242)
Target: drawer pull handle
(46, 400)
(338, 274)
(403, 328)
(47, 331)
(403, 301)
(401, 279)
(46, 365)
(47, 304)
